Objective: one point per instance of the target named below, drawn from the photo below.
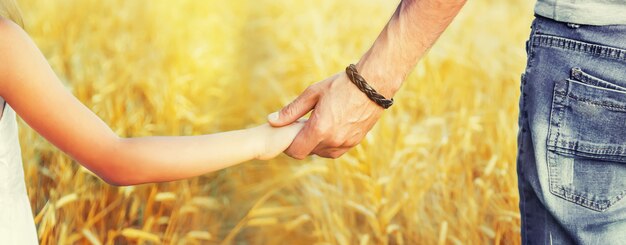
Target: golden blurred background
(439, 167)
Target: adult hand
(342, 115)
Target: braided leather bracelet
(371, 93)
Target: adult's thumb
(274, 118)
(294, 110)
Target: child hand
(273, 141)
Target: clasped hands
(341, 117)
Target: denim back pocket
(587, 141)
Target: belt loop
(573, 26)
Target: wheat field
(438, 168)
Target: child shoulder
(10, 32)
(13, 39)
(10, 36)
(15, 48)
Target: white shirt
(16, 219)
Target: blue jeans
(572, 135)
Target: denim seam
(616, 154)
(607, 105)
(555, 122)
(579, 198)
(531, 56)
(520, 150)
(535, 27)
(579, 46)
(579, 75)
(560, 101)
(523, 207)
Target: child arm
(29, 85)
(156, 159)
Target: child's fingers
(304, 143)
(295, 128)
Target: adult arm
(32, 89)
(342, 115)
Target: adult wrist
(384, 80)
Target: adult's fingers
(296, 109)
(304, 142)
(333, 153)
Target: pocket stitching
(560, 145)
(561, 92)
(556, 112)
(601, 104)
(616, 153)
(580, 199)
(582, 78)
(579, 75)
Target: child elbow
(443, 3)
(116, 179)
(119, 176)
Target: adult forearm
(411, 31)
(341, 114)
